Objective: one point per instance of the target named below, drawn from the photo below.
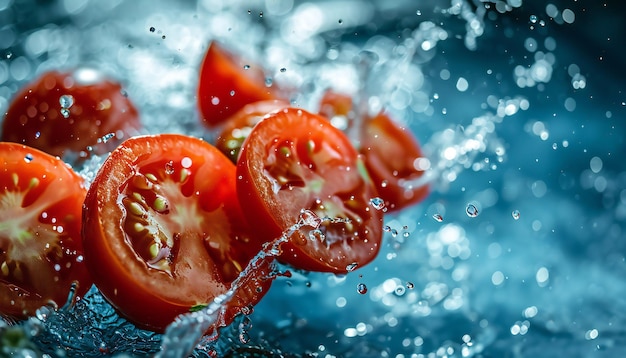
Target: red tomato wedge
(163, 231)
(390, 152)
(41, 254)
(239, 126)
(71, 111)
(295, 160)
(227, 83)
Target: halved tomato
(239, 126)
(75, 111)
(41, 254)
(163, 231)
(391, 152)
(294, 160)
(227, 83)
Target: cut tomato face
(391, 152)
(227, 83)
(41, 254)
(78, 111)
(391, 156)
(294, 160)
(239, 126)
(163, 231)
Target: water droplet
(471, 210)
(377, 203)
(152, 29)
(246, 67)
(65, 112)
(515, 214)
(261, 14)
(406, 234)
(169, 167)
(386, 228)
(361, 288)
(309, 218)
(438, 217)
(533, 19)
(400, 290)
(317, 235)
(66, 101)
(28, 158)
(410, 285)
(352, 267)
(283, 70)
(269, 82)
(340, 21)
(37, 135)
(105, 138)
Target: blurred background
(519, 105)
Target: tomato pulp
(163, 231)
(41, 254)
(295, 160)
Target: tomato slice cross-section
(294, 160)
(41, 254)
(163, 231)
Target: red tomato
(41, 255)
(390, 152)
(238, 127)
(63, 111)
(163, 231)
(295, 160)
(227, 83)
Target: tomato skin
(238, 126)
(390, 153)
(92, 108)
(227, 83)
(204, 238)
(294, 160)
(40, 218)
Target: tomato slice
(239, 126)
(41, 254)
(163, 231)
(391, 152)
(391, 156)
(227, 83)
(71, 111)
(295, 160)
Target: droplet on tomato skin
(169, 167)
(351, 267)
(317, 235)
(377, 203)
(361, 288)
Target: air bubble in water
(533, 19)
(377, 203)
(361, 288)
(65, 112)
(515, 214)
(471, 210)
(28, 158)
(438, 217)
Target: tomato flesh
(227, 83)
(239, 126)
(76, 111)
(390, 151)
(163, 230)
(40, 218)
(295, 160)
